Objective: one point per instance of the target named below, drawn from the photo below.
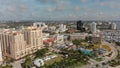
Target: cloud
(11, 9)
(48, 1)
(77, 8)
(60, 6)
(84, 1)
(59, 9)
(50, 9)
(110, 3)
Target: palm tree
(97, 65)
(41, 53)
(27, 63)
(77, 43)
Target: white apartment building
(59, 39)
(113, 26)
(62, 28)
(93, 27)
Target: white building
(78, 36)
(38, 62)
(1, 59)
(113, 26)
(40, 24)
(93, 27)
(45, 35)
(60, 39)
(52, 28)
(62, 28)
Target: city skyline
(59, 10)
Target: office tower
(13, 44)
(80, 26)
(113, 26)
(93, 27)
(33, 37)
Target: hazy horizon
(17, 10)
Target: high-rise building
(93, 27)
(19, 43)
(1, 59)
(113, 26)
(13, 44)
(80, 26)
(33, 36)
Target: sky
(59, 10)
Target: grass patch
(99, 59)
(106, 47)
(57, 59)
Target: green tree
(88, 39)
(7, 66)
(41, 53)
(118, 43)
(77, 43)
(97, 65)
(27, 63)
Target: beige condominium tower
(33, 38)
(17, 44)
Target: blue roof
(87, 52)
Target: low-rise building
(45, 35)
(40, 25)
(78, 36)
(62, 28)
(97, 39)
(59, 39)
(48, 41)
(111, 35)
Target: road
(17, 64)
(114, 52)
(113, 56)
